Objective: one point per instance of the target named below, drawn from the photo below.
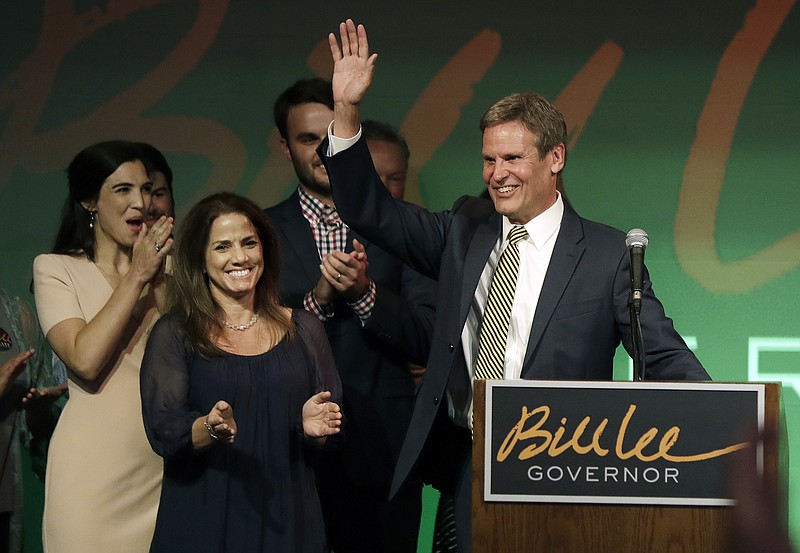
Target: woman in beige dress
(98, 296)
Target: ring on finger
(158, 247)
(338, 277)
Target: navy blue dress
(258, 494)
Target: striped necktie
(497, 314)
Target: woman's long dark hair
(86, 174)
(189, 295)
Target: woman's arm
(86, 347)
(218, 426)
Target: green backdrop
(684, 120)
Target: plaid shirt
(330, 234)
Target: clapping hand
(347, 272)
(220, 420)
(37, 397)
(38, 404)
(12, 368)
(321, 417)
(151, 248)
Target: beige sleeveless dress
(103, 480)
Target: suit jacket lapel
(299, 238)
(566, 255)
(480, 247)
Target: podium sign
(655, 443)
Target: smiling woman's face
(234, 258)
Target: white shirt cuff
(336, 144)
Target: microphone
(637, 241)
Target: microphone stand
(636, 241)
(636, 338)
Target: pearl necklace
(240, 328)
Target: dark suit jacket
(582, 313)
(372, 360)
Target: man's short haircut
(535, 113)
(374, 130)
(304, 91)
(154, 160)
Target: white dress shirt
(535, 252)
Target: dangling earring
(91, 220)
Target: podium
(511, 526)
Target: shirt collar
(542, 227)
(315, 209)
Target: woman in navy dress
(238, 394)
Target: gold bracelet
(210, 430)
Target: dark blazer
(582, 313)
(372, 359)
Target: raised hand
(321, 417)
(353, 65)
